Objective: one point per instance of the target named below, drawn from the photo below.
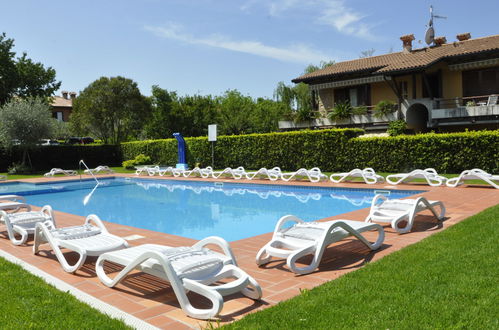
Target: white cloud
(294, 53)
(334, 13)
(344, 19)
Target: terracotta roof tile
(400, 61)
(58, 101)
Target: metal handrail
(81, 162)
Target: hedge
(46, 157)
(330, 150)
(447, 153)
(333, 150)
(292, 150)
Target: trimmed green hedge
(330, 150)
(447, 153)
(325, 149)
(333, 150)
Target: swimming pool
(194, 209)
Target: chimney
(72, 95)
(64, 94)
(407, 42)
(439, 41)
(463, 36)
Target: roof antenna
(430, 32)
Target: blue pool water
(195, 209)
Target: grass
(29, 302)
(40, 174)
(448, 280)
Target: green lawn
(27, 302)
(40, 174)
(449, 280)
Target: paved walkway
(153, 301)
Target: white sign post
(212, 137)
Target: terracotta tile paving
(152, 299)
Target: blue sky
(210, 46)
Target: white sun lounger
(13, 203)
(197, 171)
(3, 177)
(195, 268)
(367, 174)
(474, 174)
(55, 171)
(101, 169)
(234, 173)
(86, 240)
(394, 211)
(304, 238)
(24, 223)
(429, 174)
(313, 175)
(147, 169)
(271, 174)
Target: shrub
(140, 159)
(396, 127)
(341, 111)
(19, 168)
(360, 110)
(384, 108)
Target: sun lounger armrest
(97, 221)
(220, 242)
(13, 198)
(285, 219)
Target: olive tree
(112, 109)
(25, 122)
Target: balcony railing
(457, 102)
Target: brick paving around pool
(152, 300)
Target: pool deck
(153, 301)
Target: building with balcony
(447, 86)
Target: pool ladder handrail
(81, 162)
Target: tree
(160, 125)
(266, 115)
(8, 71)
(23, 77)
(112, 109)
(367, 53)
(27, 121)
(34, 79)
(235, 110)
(322, 65)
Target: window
(481, 82)
(358, 95)
(57, 115)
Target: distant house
(62, 106)
(449, 85)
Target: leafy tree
(322, 65)
(27, 121)
(61, 129)
(160, 125)
(8, 70)
(266, 115)
(234, 113)
(113, 109)
(367, 53)
(23, 77)
(193, 114)
(34, 79)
